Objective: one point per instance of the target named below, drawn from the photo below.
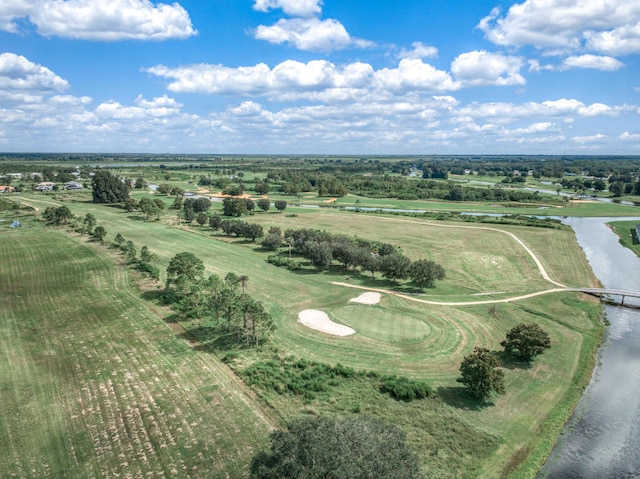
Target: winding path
(543, 272)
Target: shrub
(288, 263)
(405, 389)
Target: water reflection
(602, 439)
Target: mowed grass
(421, 341)
(624, 231)
(92, 384)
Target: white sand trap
(370, 297)
(319, 320)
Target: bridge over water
(602, 293)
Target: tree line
(322, 248)
(233, 312)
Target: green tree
(526, 340)
(178, 202)
(184, 268)
(351, 447)
(146, 256)
(264, 204)
(480, 374)
(140, 184)
(89, 222)
(60, 215)
(202, 219)
(130, 251)
(99, 233)
(262, 188)
(214, 222)
(252, 231)
(222, 303)
(232, 206)
(319, 253)
(394, 266)
(108, 188)
(119, 240)
(424, 273)
(131, 205)
(149, 207)
(232, 190)
(271, 242)
(164, 189)
(280, 205)
(189, 215)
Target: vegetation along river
(602, 439)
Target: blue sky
(320, 77)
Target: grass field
(397, 336)
(93, 384)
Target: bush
(405, 389)
(153, 271)
(288, 263)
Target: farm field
(396, 336)
(95, 384)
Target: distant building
(73, 185)
(45, 186)
(7, 189)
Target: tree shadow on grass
(459, 398)
(211, 339)
(137, 217)
(156, 295)
(509, 361)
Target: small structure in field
(45, 186)
(73, 185)
(635, 234)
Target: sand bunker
(318, 320)
(369, 297)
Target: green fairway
(93, 384)
(397, 336)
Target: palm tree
(243, 281)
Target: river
(602, 438)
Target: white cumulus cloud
(295, 8)
(419, 50)
(596, 62)
(98, 19)
(414, 75)
(18, 74)
(610, 27)
(316, 79)
(484, 68)
(310, 34)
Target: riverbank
(623, 229)
(602, 438)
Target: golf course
(102, 378)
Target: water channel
(602, 439)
